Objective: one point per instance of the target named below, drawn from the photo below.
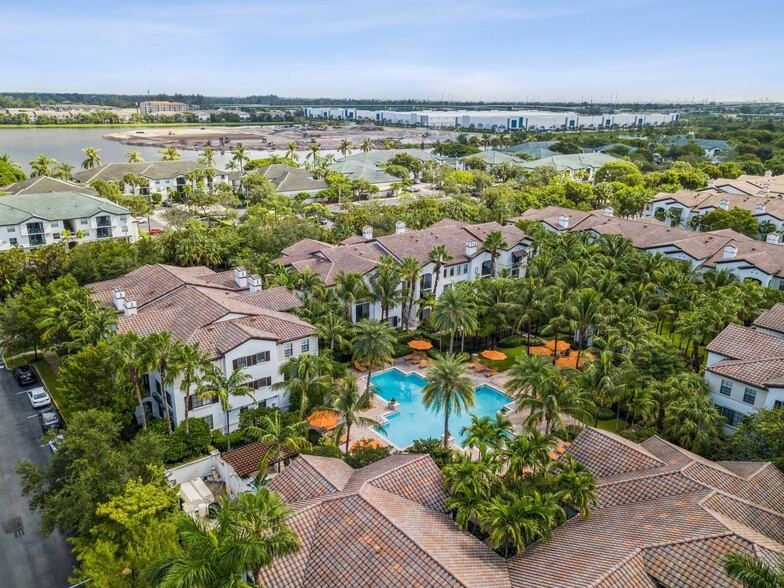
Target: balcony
(37, 240)
(103, 221)
(104, 232)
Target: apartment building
(161, 106)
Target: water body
(26, 143)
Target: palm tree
(410, 272)
(163, 349)
(345, 147)
(170, 153)
(384, 284)
(249, 533)
(207, 157)
(528, 453)
(493, 243)
(373, 345)
(314, 149)
(517, 520)
(333, 328)
(604, 381)
(221, 387)
(42, 166)
(576, 485)
(134, 157)
(692, 422)
(538, 387)
(93, 158)
(582, 312)
(350, 289)
(291, 153)
(190, 362)
(347, 403)
(64, 171)
(484, 433)
(309, 283)
(281, 438)
(448, 388)
(439, 255)
(130, 179)
(455, 311)
(305, 375)
(128, 354)
(752, 572)
(366, 145)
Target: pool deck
(380, 406)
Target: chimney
(608, 211)
(711, 183)
(766, 188)
(130, 308)
(759, 208)
(254, 282)
(367, 232)
(772, 238)
(241, 277)
(724, 205)
(470, 248)
(400, 228)
(119, 299)
(768, 173)
(730, 251)
(563, 221)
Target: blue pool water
(414, 421)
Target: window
(288, 350)
(305, 346)
(446, 269)
(427, 282)
(208, 420)
(103, 232)
(363, 311)
(12, 229)
(250, 360)
(726, 387)
(197, 402)
(393, 321)
(103, 221)
(261, 383)
(777, 404)
(465, 268)
(84, 221)
(55, 235)
(486, 268)
(749, 396)
(733, 417)
(451, 271)
(55, 224)
(35, 228)
(12, 241)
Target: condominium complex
(161, 106)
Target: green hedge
(510, 341)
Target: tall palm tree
(93, 158)
(373, 345)
(604, 381)
(42, 166)
(538, 387)
(576, 485)
(170, 153)
(280, 437)
(439, 255)
(163, 349)
(64, 171)
(528, 453)
(189, 362)
(449, 389)
(134, 157)
(752, 572)
(291, 153)
(347, 403)
(207, 157)
(350, 289)
(493, 243)
(128, 354)
(515, 521)
(333, 328)
(314, 149)
(484, 433)
(582, 312)
(366, 145)
(455, 311)
(218, 386)
(306, 375)
(130, 180)
(692, 422)
(345, 147)
(384, 284)
(309, 283)
(410, 272)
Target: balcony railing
(36, 240)
(103, 232)
(103, 221)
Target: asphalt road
(27, 560)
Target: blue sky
(463, 49)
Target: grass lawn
(53, 385)
(612, 425)
(676, 341)
(18, 358)
(512, 354)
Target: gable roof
(492, 157)
(291, 179)
(739, 342)
(574, 162)
(772, 319)
(245, 460)
(52, 206)
(45, 184)
(152, 170)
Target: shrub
(569, 433)
(238, 439)
(639, 434)
(180, 445)
(441, 455)
(606, 413)
(510, 341)
(362, 455)
(324, 451)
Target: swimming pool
(413, 421)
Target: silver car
(39, 397)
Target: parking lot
(26, 558)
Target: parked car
(157, 231)
(49, 420)
(39, 397)
(55, 443)
(24, 375)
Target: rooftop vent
(772, 238)
(724, 205)
(563, 221)
(730, 251)
(367, 232)
(241, 277)
(400, 227)
(470, 248)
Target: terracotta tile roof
(761, 373)
(739, 342)
(607, 454)
(280, 299)
(328, 260)
(772, 319)
(246, 459)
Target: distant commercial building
(504, 120)
(161, 106)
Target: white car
(39, 397)
(53, 444)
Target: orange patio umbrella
(493, 355)
(561, 346)
(539, 350)
(420, 344)
(324, 419)
(366, 442)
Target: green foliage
(180, 446)
(760, 437)
(566, 147)
(9, 174)
(324, 451)
(455, 149)
(443, 456)
(510, 341)
(221, 442)
(605, 413)
(363, 455)
(737, 219)
(640, 434)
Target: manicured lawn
(512, 354)
(18, 360)
(53, 385)
(612, 425)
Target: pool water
(414, 421)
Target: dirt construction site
(270, 138)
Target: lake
(26, 143)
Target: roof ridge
(417, 457)
(720, 492)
